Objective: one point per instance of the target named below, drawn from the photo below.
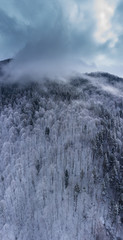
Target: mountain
(3, 64)
(61, 159)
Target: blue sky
(88, 30)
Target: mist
(56, 38)
(59, 38)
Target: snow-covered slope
(61, 159)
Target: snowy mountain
(61, 159)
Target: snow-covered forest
(61, 159)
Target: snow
(43, 135)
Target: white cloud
(105, 31)
(76, 12)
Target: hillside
(61, 159)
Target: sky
(88, 32)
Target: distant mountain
(4, 63)
(110, 77)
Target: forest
(61, 159)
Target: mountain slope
(61, 159)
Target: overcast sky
(88, 30)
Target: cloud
(12, 35)
(56, 29)
(50, 25)
(105, 31)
